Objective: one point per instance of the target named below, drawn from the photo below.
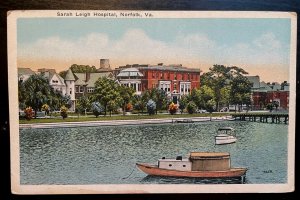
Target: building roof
(93, 77)
(130, 72)
(70, 76)
(265, 87)
(177, 68)
(53, 71)
(161, 67)
(275, 86)
(25, 71)
(255, 80)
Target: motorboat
(197, 165)
(225, 135)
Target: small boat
(225, 135)
(198, 165)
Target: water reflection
(185, 180)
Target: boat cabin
(175, 164)
(210, 161)
(198, 161)
(225, 131)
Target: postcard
(117, 102)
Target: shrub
(172, 108)
(151, 107)
(46, 108)
(63, 112)
(191, 107)
(96, 108)
(270, 107)
(128, 107)
(28, 113)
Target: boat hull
(155, 171)
(225, 140)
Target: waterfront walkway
(124, 122)
(262, 117)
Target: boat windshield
(225, 130)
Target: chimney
(87, 76)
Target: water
(107, 155)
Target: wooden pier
(262, 117)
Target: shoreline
(123, 122)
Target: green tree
(138, 103)
(38, 91)
(220, 76)
(240, 92)
(126, 95)
(225, 93)
(158, 96)
(82, 105)
(21, 95)
(191, 107)
(112, 105)
(78, 69)
(207, 98)
(106, 90)
(183, 101)
(56, 100)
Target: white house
(131, 77)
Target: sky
(260, 46)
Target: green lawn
(75, 118)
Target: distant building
(265, 93)
(175, 80)
(131, 77)
(55, 80)
(24, 74)
(104, 66)
(85, 82)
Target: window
(80, 89)
(175, 76)
(188, 76)
(90, 90)
(153, 75)
(76, 89)
(70, 90)
(182, 76)
(183, 165)
(170, 165)
(161, 75)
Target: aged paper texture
(132, 101)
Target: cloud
(267, 41)
(135, 46)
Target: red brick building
(176, 80)
(281, 97)
(262, 98)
